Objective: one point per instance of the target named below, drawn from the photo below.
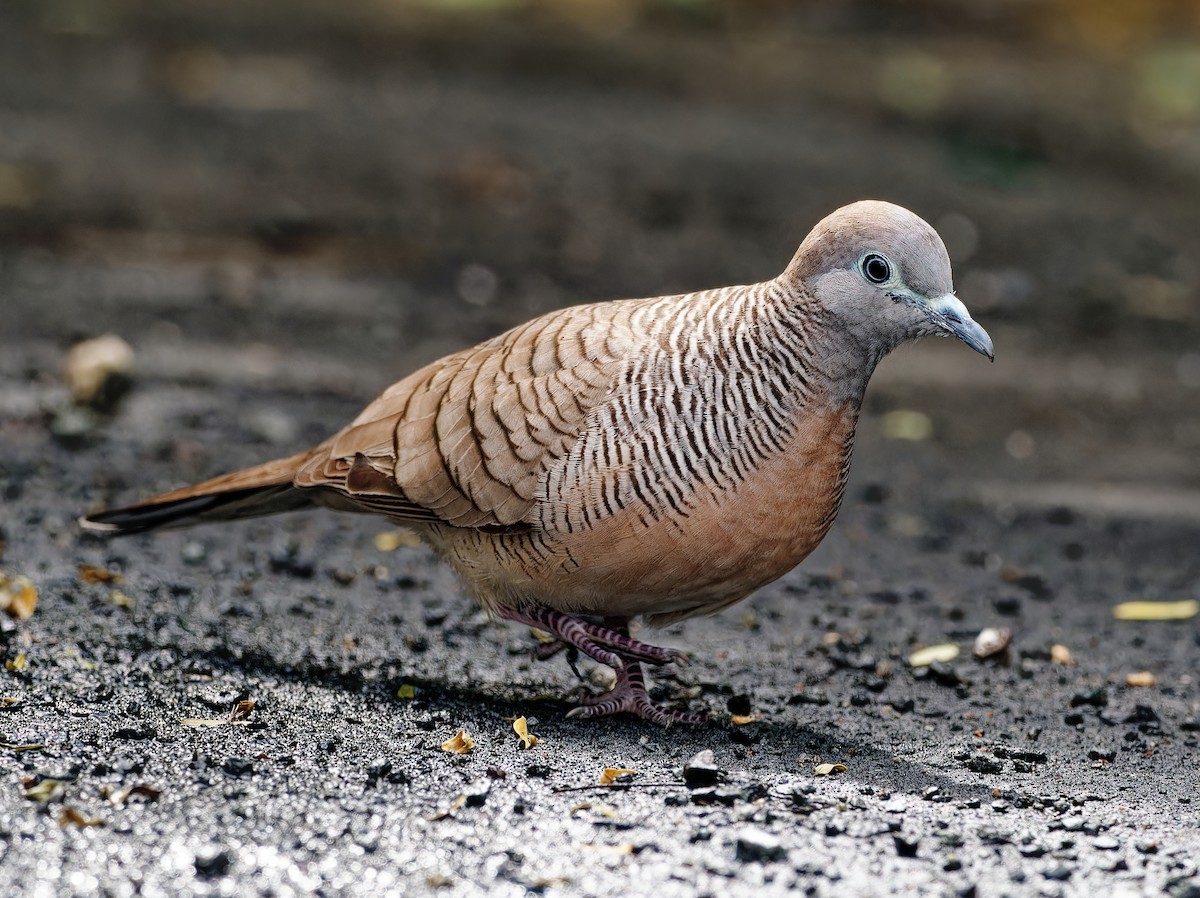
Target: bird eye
(876, 268)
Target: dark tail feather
(265, 489)
(196, 510)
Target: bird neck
(837, 363)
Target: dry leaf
(241, 710)
(236, 717)
(830, 769)
(946, 651)
(72, 817)
(521, 728)
(622, 850)
(25, 746)
(119, 599)
(1141, 678)
(454, 805)
(391, 540)
(1157, 610)
(611, 774)
(597, 807)
(1060, 654)
(44, 790)
(407, 691)
(460, 743)
(91, 573)
(18, 596)
(13, 665)
(740, 720)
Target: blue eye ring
(876, 268)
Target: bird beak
(952, 316)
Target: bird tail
(263, 489)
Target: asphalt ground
(275, 264)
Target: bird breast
(670, 552)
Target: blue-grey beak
(948, 313)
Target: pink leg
(570, 630)
(610, 644)
(591, 638)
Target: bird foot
(629, 695)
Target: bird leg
(588, 636)
(602, 642)
(570, 630)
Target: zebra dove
(659, 457)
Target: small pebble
(213, 860)
(758, 845)
(1059, 873)
(905, 847)
(193, 553)
(702, 770)
(477, 793)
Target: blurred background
(308, 198)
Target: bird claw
(629, 696)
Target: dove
(651, 459)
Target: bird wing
(466, 440)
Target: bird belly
(727, 542)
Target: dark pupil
(877, 269)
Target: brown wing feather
(466, 439)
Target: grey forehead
(924, 263)
(842, 239)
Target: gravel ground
(283, 217)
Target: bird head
(884, 274)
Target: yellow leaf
(119, 599)
(946, 651)
(460, 743)
(611, 774)
(90, 573)
(740, 720)
(407, 691)
(1157, 610)
(391, 540)
(45, 790)
(15, 664)
(521, 728)
(23, 746)
(1060, 654)
(830, 769)
(18, 596)
(1141, 678)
